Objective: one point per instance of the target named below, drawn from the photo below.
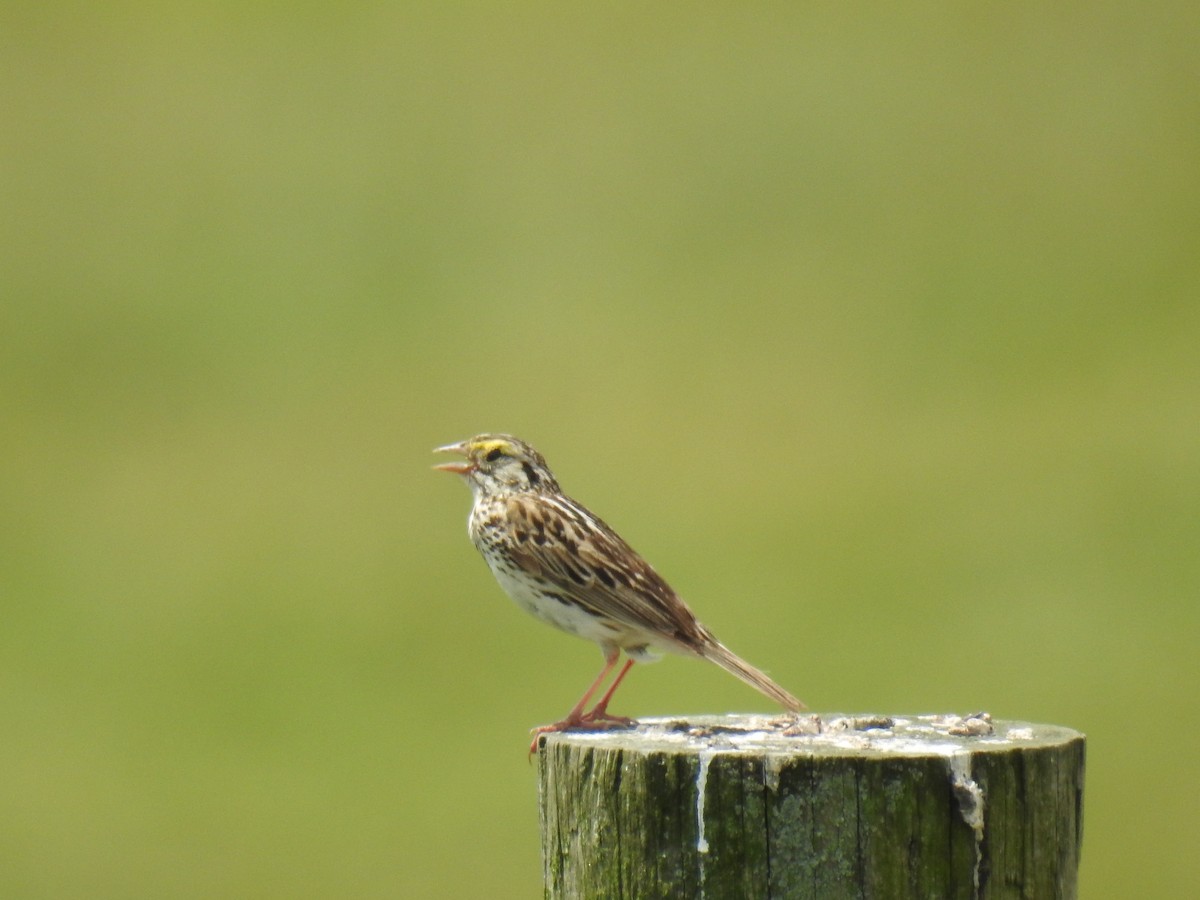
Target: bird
(564, 565)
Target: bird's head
(500, 463)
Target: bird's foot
(597, 719)
(573, 721)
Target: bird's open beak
(458, 468)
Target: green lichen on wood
(656, 812)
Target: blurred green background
(875, 331)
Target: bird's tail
(735, 665)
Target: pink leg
(575, 716)
(597, 717)
(599, 712)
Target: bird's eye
(493, 455)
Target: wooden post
(837, 806)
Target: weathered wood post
(842, 806)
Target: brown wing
(584, 559)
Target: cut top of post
(830, 734)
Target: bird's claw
(596, 720)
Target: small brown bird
(564, 565)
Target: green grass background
(875, 329)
